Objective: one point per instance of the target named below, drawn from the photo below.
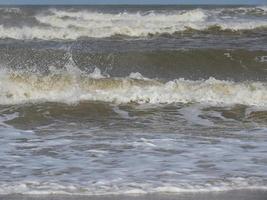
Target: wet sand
(228, 195)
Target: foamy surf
(69, 87)
(71, 24)
(116, 188)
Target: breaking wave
(75, 86)
(74, 24)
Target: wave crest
(69, 87)
(74, 24)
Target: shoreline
(222, 195)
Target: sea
(132, 100)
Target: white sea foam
(108, 188)
(10, 10)
(71, 87)
(264, 8)
(67, 24)
(137, 76)
(193, 115)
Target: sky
(133, 1)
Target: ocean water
(99, 100)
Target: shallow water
(98, 148)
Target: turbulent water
(103, 100)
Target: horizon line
(131, 4)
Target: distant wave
(68, 24)
(73, 33)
